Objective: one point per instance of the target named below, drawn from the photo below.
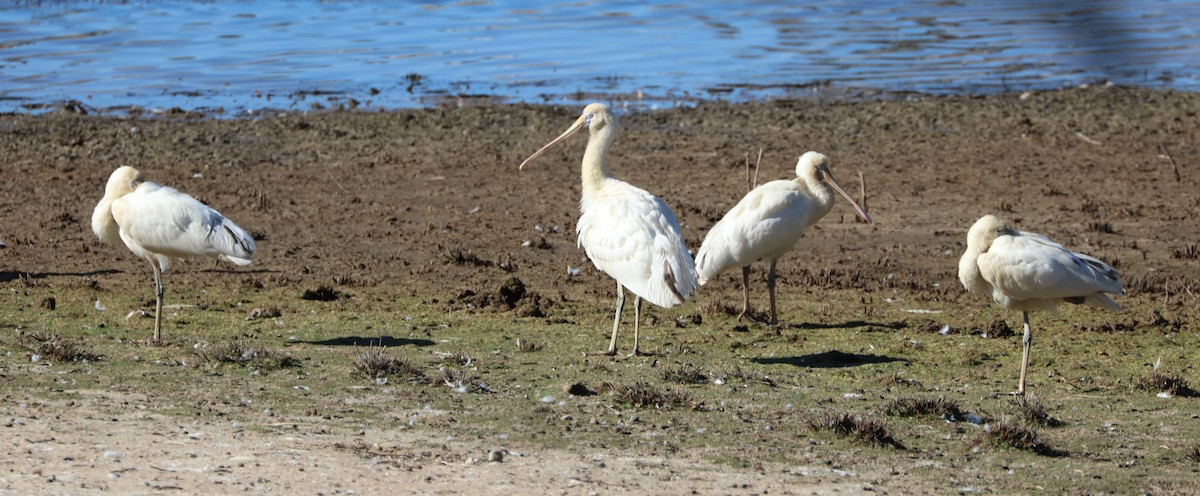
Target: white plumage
(768, 222)
(161, 224)
(629, 234)
(1029, 272)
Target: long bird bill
(579, 125)
(828, 178)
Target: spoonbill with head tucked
(160, 224)
(768, 222)
(1027, 272)
(629, 234)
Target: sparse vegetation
(1170, 384)
(463, 381)
(239, 352)
(1030, 409)
(528, 346)
(1101, 227)
(1008, 433)
(642, 395)
(683, 374)
(375, 363)
(53, 348)
(1189, 252)
(712, 308)
(912, 407)
(860, 429)
(322, 293)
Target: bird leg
(746, 295)
(158, 302)
(1026, 342)
(771, 290)
(637, 322)
(612, 344)
(747, 312)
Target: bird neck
(595, 168)
(821, 193)
(968, 272)
(104, 225)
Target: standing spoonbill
(768, 222)
(1027, 272)
(160, 224)
(629, 234)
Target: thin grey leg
(637, 322)
(1026, 342)
(158, 302)
(771, 289)
(612, 344)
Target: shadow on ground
(828, 360)
(371, 341)
(8, 276)
(850, 325)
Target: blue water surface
(243, 56)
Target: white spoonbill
(629, 234)
(1026, 271)
(160, 224)
(768, 222)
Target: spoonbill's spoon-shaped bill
(768, 222)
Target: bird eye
(587, 120)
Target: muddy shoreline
(428, 204)
(390, 198)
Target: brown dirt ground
(381, 199)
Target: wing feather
(158, 222)
(1027, 267)
(635, 238)
(766, 223)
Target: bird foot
(158, 342)
(749, 315)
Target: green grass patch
(739, 394)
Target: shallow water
(284, 54)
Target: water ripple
(235, 55)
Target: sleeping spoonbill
(629, 234)
(1026, 271)
(768, 222)
(159, 224)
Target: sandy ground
(381, 199)
(83, 448)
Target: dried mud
(429, 203)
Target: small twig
(1085, 138)
(749, 184)
(756, 164)
(862, 191)
(331, 176)
(1174, 166)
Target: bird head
(813, 167)
(985, 231)
(122, 181)
(595, 117)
